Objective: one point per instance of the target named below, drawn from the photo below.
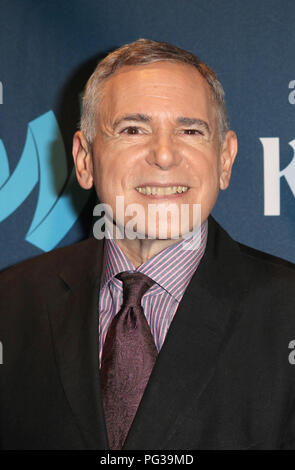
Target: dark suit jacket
(222, 379)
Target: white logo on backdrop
(273, 174)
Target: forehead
(161, 86)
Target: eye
(192, 132)
(131, 130)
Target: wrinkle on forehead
(160, 87)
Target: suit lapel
(197, 335)
(74, 321)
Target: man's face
(157, 131)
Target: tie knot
(135, 285)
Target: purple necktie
(128, 357)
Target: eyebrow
(137, 117)
(184, 121)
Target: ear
(228, 154)
(83, 160)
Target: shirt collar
(171, 268)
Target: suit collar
(83, 263)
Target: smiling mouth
(161, 190)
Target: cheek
(104, 169)
(204, 171)
(103, 178)
(117, 160)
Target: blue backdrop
(47, 52)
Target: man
(218, 318)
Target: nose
(163, 152)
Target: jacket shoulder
(245, 268)
(244, 256)
(48, 265)
(262, 257)
(265, 263)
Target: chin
(165, 232)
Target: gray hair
(140, 52)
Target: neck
(139, 251)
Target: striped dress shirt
(171, 269)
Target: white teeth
(161, 190)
